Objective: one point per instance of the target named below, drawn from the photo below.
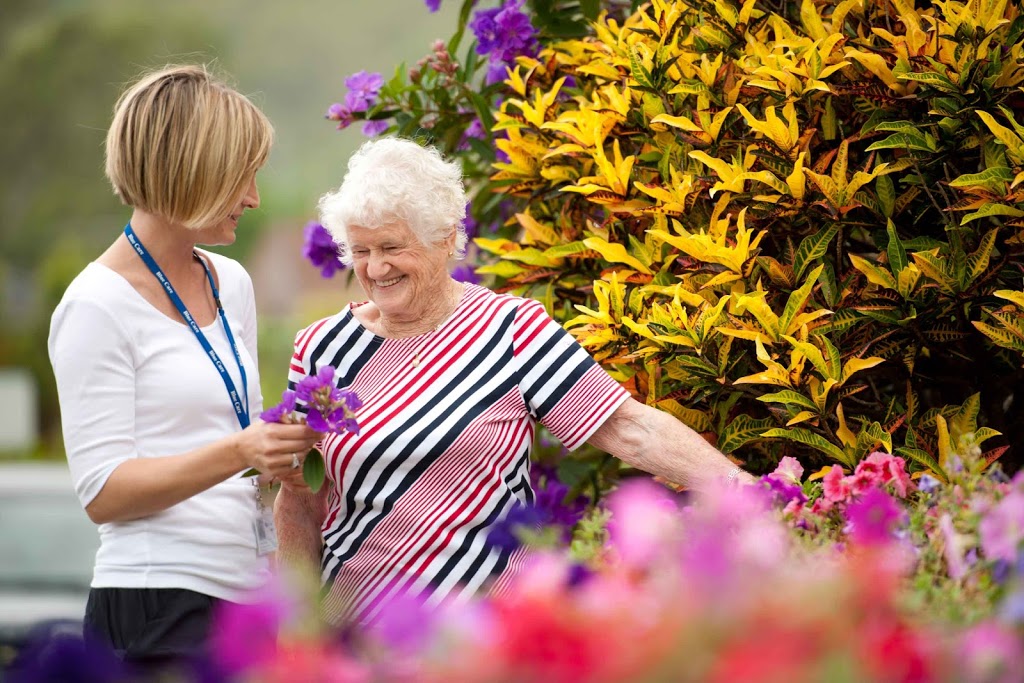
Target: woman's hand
(274, 448)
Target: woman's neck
(438, 310)
(171, 246)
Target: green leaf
(313, 472)
(906, 141)
(797, 300)
(742, 430)
(993, 179)
(790, 398)
(812, 248)
(937, 81)
(886, 192)
(923, 458)
(992, 209)
(897, 254)
(809, 438)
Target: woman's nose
(251, 200)
(376, 264)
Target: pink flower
(836, 486)
(789, 469)
(1002, 528)
(644, 517)
(991, 652)
(954, 547)
(884, 468)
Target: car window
(46, 540)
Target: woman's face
(223, 233)
(401, 275)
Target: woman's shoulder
(99, 285)
(481, 296)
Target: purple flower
(483, 27)
(372, 129)
(321, 250)
(285, 407)
(351, 400)
(55, 654)
(465, 273)
(341, 114)
(1002, 529)
(928, 484)
(433, 5)
(330, 410)
(363, 88)
(873, 517)
(502, 533)
(782, 491)
(550, 494)
(475, 130)
(310, 384)
(496, 72)
(504, 33)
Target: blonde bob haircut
(397, 180)
(184, 145)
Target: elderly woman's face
(400, 274)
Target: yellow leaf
(615, 253)
(802, 416)
(843, 432)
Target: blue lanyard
(242, 412)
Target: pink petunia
(836, 486)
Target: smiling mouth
(387, 283)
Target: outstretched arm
(656, 442)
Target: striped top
(444, 445)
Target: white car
(47, 550)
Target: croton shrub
(796, 226)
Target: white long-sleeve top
(134, 383)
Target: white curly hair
(393, 180)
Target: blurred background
(63, 64)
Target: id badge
(266, 534)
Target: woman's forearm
(298, 516)
(656, 442)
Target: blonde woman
(154, 350)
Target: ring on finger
(295, 461)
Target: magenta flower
(1002, 528)
(320, 248)
(433, 5)
(873, 517)
(363, 88)
(372, 129)
(285, 407)
(244, 636)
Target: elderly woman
(454, 379)
(154, 350)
